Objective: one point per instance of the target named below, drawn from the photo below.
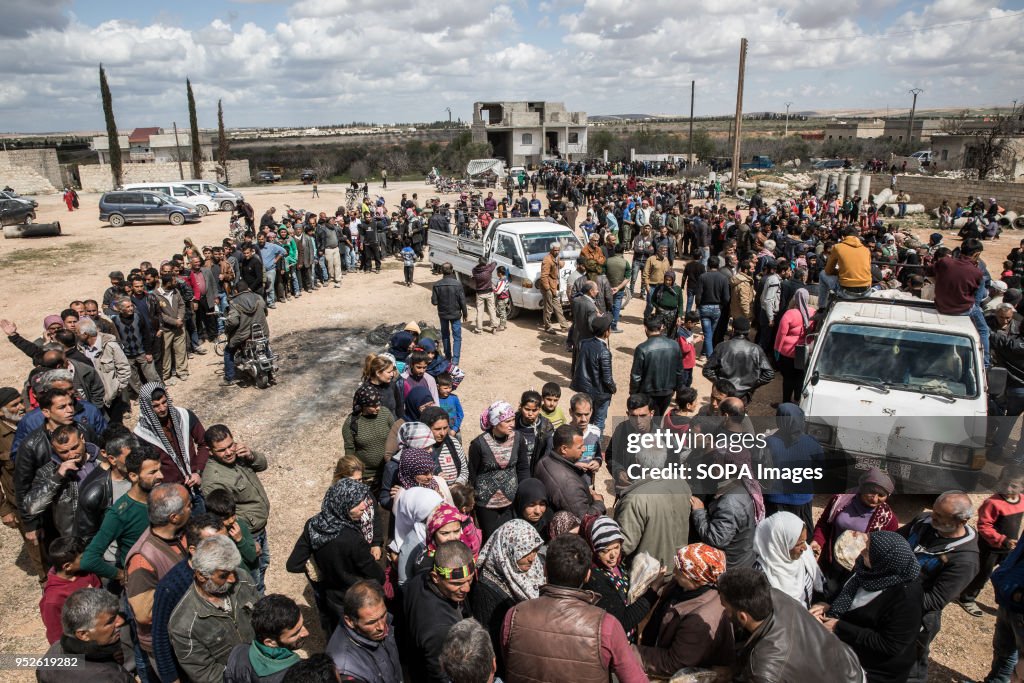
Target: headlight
(821, 432)
(960, 455)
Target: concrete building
(153, 145)
(841, 130)
(528, 133)
(889, 129)
(952, 152)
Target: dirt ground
(322, 340)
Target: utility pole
(177, 147)
(689, 152)
(910, 124)
(737, 125)
(788, 104)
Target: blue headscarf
(417, 397)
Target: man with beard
(52, 499)
(216, 614)
(363, 646)
(176, 433)
(279, 631)
(137, 341)
(160, 547)
(12, 409)
(128, 517)
(83, 412)
(108, 482)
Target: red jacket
(56, 592)
(999, 520)
(956, 282)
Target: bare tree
(954, 125)
(323, 167)
(986, 152)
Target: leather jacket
(57, 494)
(742, 362)
(657, 367)
(95, 495)
(594, 370)
(1008, 352)
(791, 645)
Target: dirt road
(321, 338)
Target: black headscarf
(530, 491)
(334, 515)
(892, 562)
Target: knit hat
(601, 531)
(8, 395)
(52, 320)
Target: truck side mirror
(997, 381)
(800, 359)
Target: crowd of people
(436, 557)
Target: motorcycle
(256, 359)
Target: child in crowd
(221, 502)
(679, 415)
(464, 498)
(534, 427)
(408, 263)
(999, 527)
(502, 297)
(688, 339)
(415, 374)
(65, 578)
(450, 402)
(550, 394)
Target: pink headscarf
(496, 413)
(446, 514)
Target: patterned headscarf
(700, 563)
(416, 461)
(563, 522)
(151, 430)
(444, 514)
(892, 562)
(414, 435)
(513, 541)
(600, 531)
(496, 413)
(334, 515)
(367, 396)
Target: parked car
(137, 206)
(204, 203)
(758, 161)
(307, 177)
(18, 198)
(16, 211)
(223, 194)
(264, 177)
(924, 157)
(825, 164)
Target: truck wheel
(116, 220)
(177, 219)
(202, 210)
(262, 380)
(513, 312)
(227, 205)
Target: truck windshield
(537, 245)
(908, 360)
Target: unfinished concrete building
(528, 133)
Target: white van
(225, 196)
(892, 383)
(204, 203)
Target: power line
(923, 29)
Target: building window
(945, 155)
(574, 138)
(527, 138)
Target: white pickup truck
(892, 383)
(519, 244)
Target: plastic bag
(693, 674)
(643, 572)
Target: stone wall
(96, 177)
(931, 191)
(31, 171)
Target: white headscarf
(773, 539)
(411, 509)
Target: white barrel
(1019, 223)
(960, 222)
(741, 192)
(854, 185)
(746, 185)
(773, 186)
(1007, 219)
(883, 197)
(865, 186)
(822, 184)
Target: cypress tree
(113, 145)
(197, 153)
(222, 141)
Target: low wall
(31, 171)
(96, 177)
(931, 191)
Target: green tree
(113, 145)
(222, 141)
(703, 145)
(193, 124)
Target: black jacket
(428, 617)
(95, 495)
(611, 601)
(883, 632)
(1008, 352)
(490, 604)
(947, 564)
(239, 668)
(742, 362)
(450, 298)
(252, 273)
(790, 645)
(33, 453)
(593, 373)
(712, 288)
(657, 367)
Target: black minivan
(121, 207)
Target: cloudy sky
(308, 62)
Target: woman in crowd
(408, 435)
(417, 468)
(781, 553)
(666, 301)
(731, 516)
(689, 627)
(792, 332)
(498, 461)
(412, 509)
(509, 573)
(418, 399)
(563, 522)
(447, 452)
(531, 505)
(338, 541)
(865, 510)
(878, 612)
(381, 372)
(365, 433)
(791, 447)
(609, 577)
(445, 523)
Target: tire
(202, 210)
(218, 347)
(177, 219)
(262, 380)
(116, 220)
(513, 312)
(227, 205)
(29, 218)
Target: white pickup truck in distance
(519, 244)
